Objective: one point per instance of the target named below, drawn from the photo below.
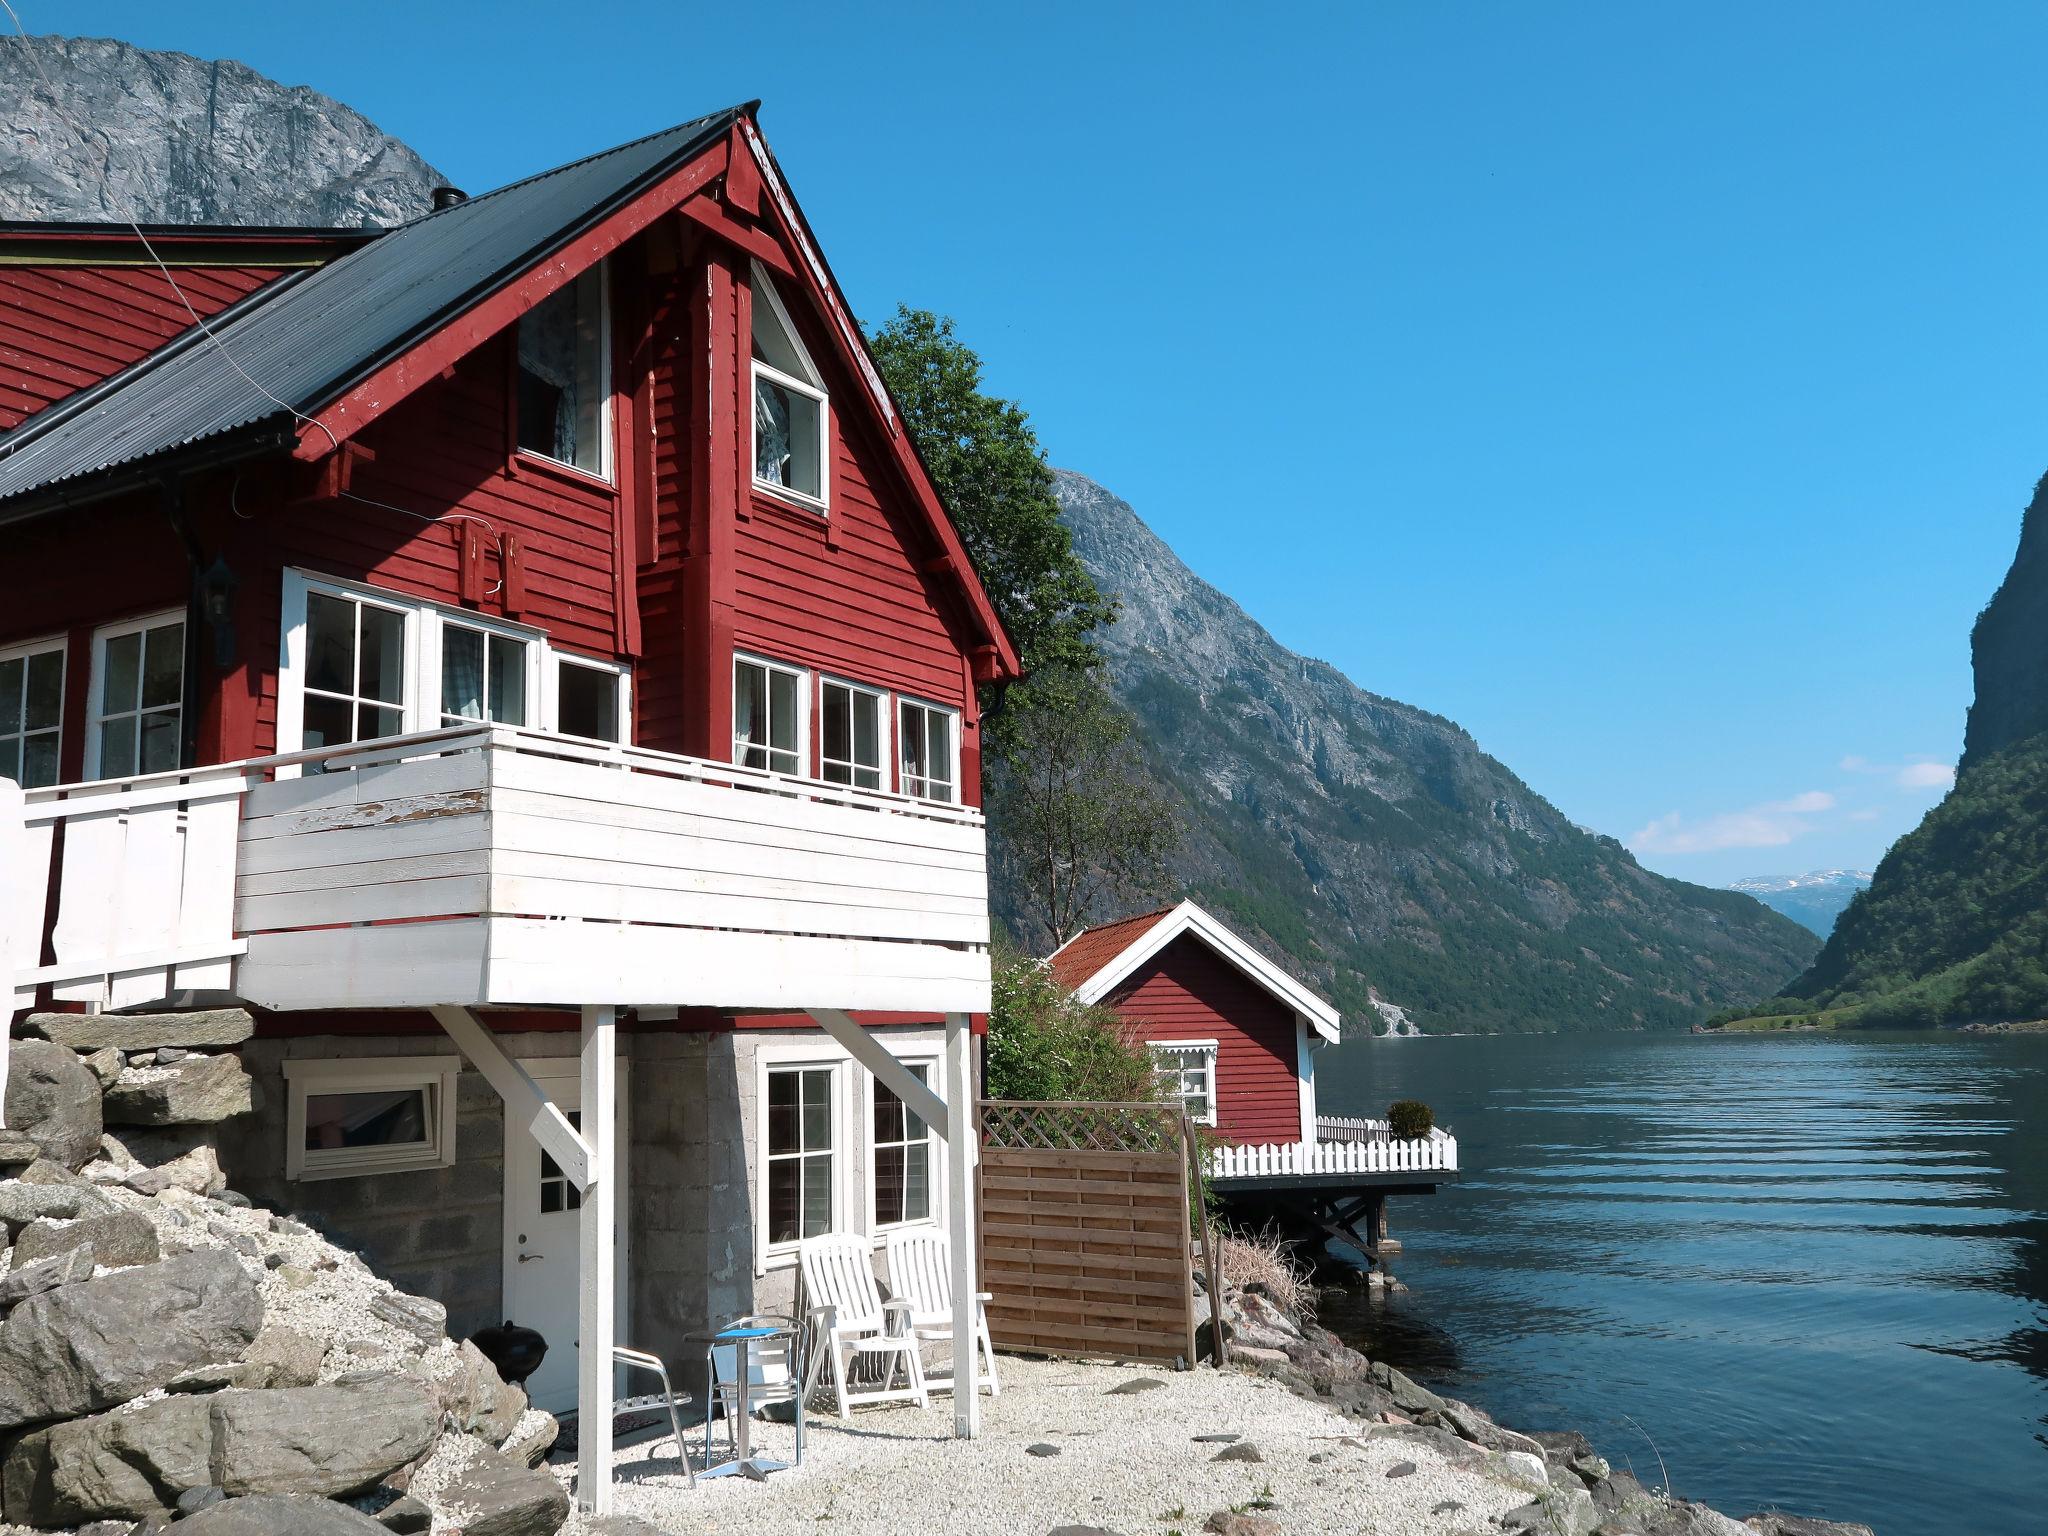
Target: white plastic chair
(855, 1323)
(921, 1273)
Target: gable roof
(305, 337)
(1095, 961)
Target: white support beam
(526, 1102)
(14, 913)
(962, 1227)
(897, 1078)
(597, 1267)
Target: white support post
(14, 909)
(962, 1227)
(872, 1054)
(598, 1256)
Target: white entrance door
(542, 1232)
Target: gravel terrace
(1128, 1463)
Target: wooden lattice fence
(1085, 1229)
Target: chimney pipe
(448, 197)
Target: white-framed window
(1188, 1069)
(31, 711)
(592, 699)
(800, 1152)
(853, 734)
(768, 715)
(388, 1114)
(138, 691)
(928, 743)
(901, 1155)
(358, 663)
(564, 406)
(792, 415)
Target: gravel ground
(1126, 1463)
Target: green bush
(1042, 1044)
(1409, 1119)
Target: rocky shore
(1575, 1492)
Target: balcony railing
(490, 865)
(1436, 1152)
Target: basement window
(368, 1116)
(799, 1152)
(1187, 1068)
(790, 405)
(561, 380)
(903, 1156)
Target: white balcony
(490, 866)
(1367, 1154)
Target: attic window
(561, 376)
(790, 407)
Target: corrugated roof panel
(303, 338)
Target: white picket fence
(1303, 1159)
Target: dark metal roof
(306, 338)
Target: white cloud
(1925, 776)
(1770, 825)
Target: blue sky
(1652, 389)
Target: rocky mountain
(166, 138)
(1376, 848)
(1954, 927)
(1813, 900)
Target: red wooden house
(530, 631)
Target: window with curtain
(562, 390)
(790, 405)
(903, 1157)
(800, 1151)
(31, 712)
(850, 729)
(767, 725)
(1188, 1069)
(483, 676)
(927, 741)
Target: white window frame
(813, 387)
(370, 1074)
(622, 679)
(802, 1057)
(934, 1163)
(1209, 1049)
(907, 701)
(424, 620)
(42, 645)
(885, 735)
(804, 705)
(606, 473)
(96, 698)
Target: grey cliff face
(167, 138)
(1374, 848)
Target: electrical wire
(333, 442)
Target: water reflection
(1815, 1269)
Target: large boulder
(128, 1464)
(116, 1239)
(496, 1497)
(98, 1343)
(279, 1515)
(40, 1275)
(286, 1356)
(53, 1100)
(144, 1031)
(22, 1202)
(472, 1396)
(338, 1439)
(200, 1090)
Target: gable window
(483, 675)
(801, 1137)
(369, 1115)
(357, 683)
(1187, 1068)
(903, 1156)
(562, 404)
(928, 745)
(850, 727)
(790, 406)
(590, 699)
(137, 696)
(31, 712)
(767, 716)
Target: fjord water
(1812, 1268)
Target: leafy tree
(1086, 828)
(1042, 1044)
(992, 475)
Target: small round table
(743, 1339)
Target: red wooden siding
(63, 327)
(1188, 992)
